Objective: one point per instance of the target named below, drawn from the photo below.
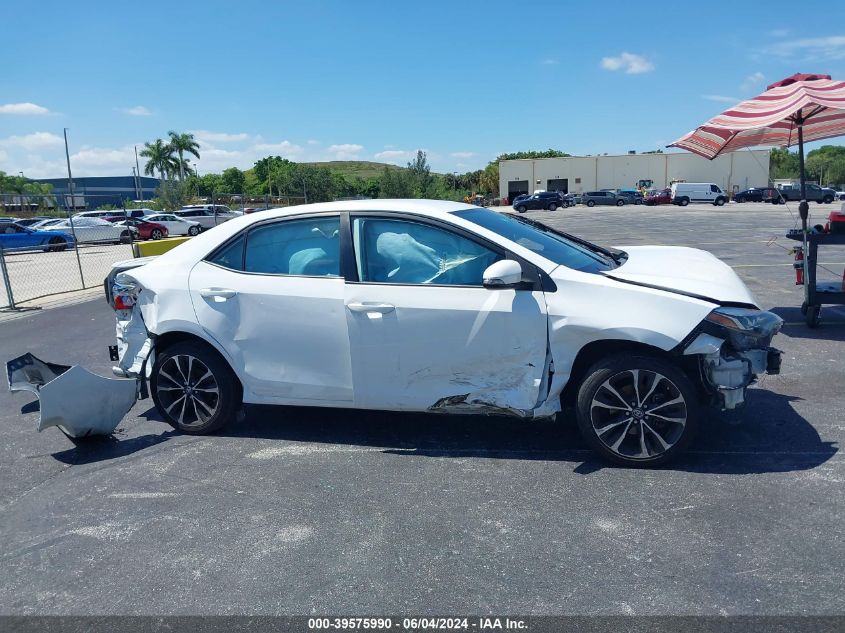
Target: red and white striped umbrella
(792, 111)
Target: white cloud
(312, 141)
(721, 98)
(817, 49)
(752, 81)
(23, 108)
(462, 154)
(219, 137)
(631, 63)
(550, 61)
(283, 148)
(137, 110)
(34, 141)
(345, 151)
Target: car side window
(231, 256)
(295, 247)
(407, 252)
(714, 189)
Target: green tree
(783, 164)
(395, 183)
(159, 158)
(419, 174)
(826, 164)
(232, 180)
(180, 144)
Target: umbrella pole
(803, 208)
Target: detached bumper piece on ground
(77, 401)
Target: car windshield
(555, 246)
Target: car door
(425, 334)
(272, 298)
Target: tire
(56, 245)
(155, 234)
(591, 203)
(811, 317)
(552, 207)
(186, 396)
(828, 200)
(598, 408)
(194, 230)
(719, 202)
(683, 202)
(739, 200)
(620, 203)
(125, 237)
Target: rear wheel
(637, 410)
(552, 207)
(125, 237)
(683, 202)
(57, 244)
(155, 234)
(193, 388)
(828, 199)
(194, 230)
(591, 203)
(520, 208)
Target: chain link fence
(48, 248)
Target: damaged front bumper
(77, 401)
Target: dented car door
(426, 335)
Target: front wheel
(194, 389)
(828, 200)
(552, 207)
(57, 244)
(637, 410)
(620, 203)
(156, 234)
(683, 202)
(720, 202)
(194, 230)
(125, 237)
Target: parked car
(528, 317)
(176, 225)
(7, 219)
(814, 193)
(550, 200)
(146, 230)
(573, 198)
(759, 194)
(43, 224)
(658, 197)
(208, 216)
(685, 192)
(31, 221)
(631, 197)
(15, 236)
(592, 198)
(90, 230)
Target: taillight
(123, 296)
(122, 302)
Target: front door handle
(382, 308)
(218, 293)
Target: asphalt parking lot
(304, 511)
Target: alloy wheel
(187, 390)
(638, 414)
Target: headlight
(746, 328)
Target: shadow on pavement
(99, 448)
(831, 325)
(769, 436)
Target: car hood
(687, 271)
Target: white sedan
(89, 230)
(420, 305)
(174, 224)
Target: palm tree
(181, 144)
(159, 157)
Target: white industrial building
(576, 174)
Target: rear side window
(295, 247)
(232, 256)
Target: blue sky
(377, 80)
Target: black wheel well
(171, 338)
(595, 351)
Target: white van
(685, 192)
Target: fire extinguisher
(799, 266)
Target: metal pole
(138, 171)
(4, 271)
(803, 208)
(70, 216)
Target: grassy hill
(360, 168)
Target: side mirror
(506, 273)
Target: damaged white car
(419, 305)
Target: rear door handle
(218, 293)
(382, 308)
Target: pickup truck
(814, 193)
